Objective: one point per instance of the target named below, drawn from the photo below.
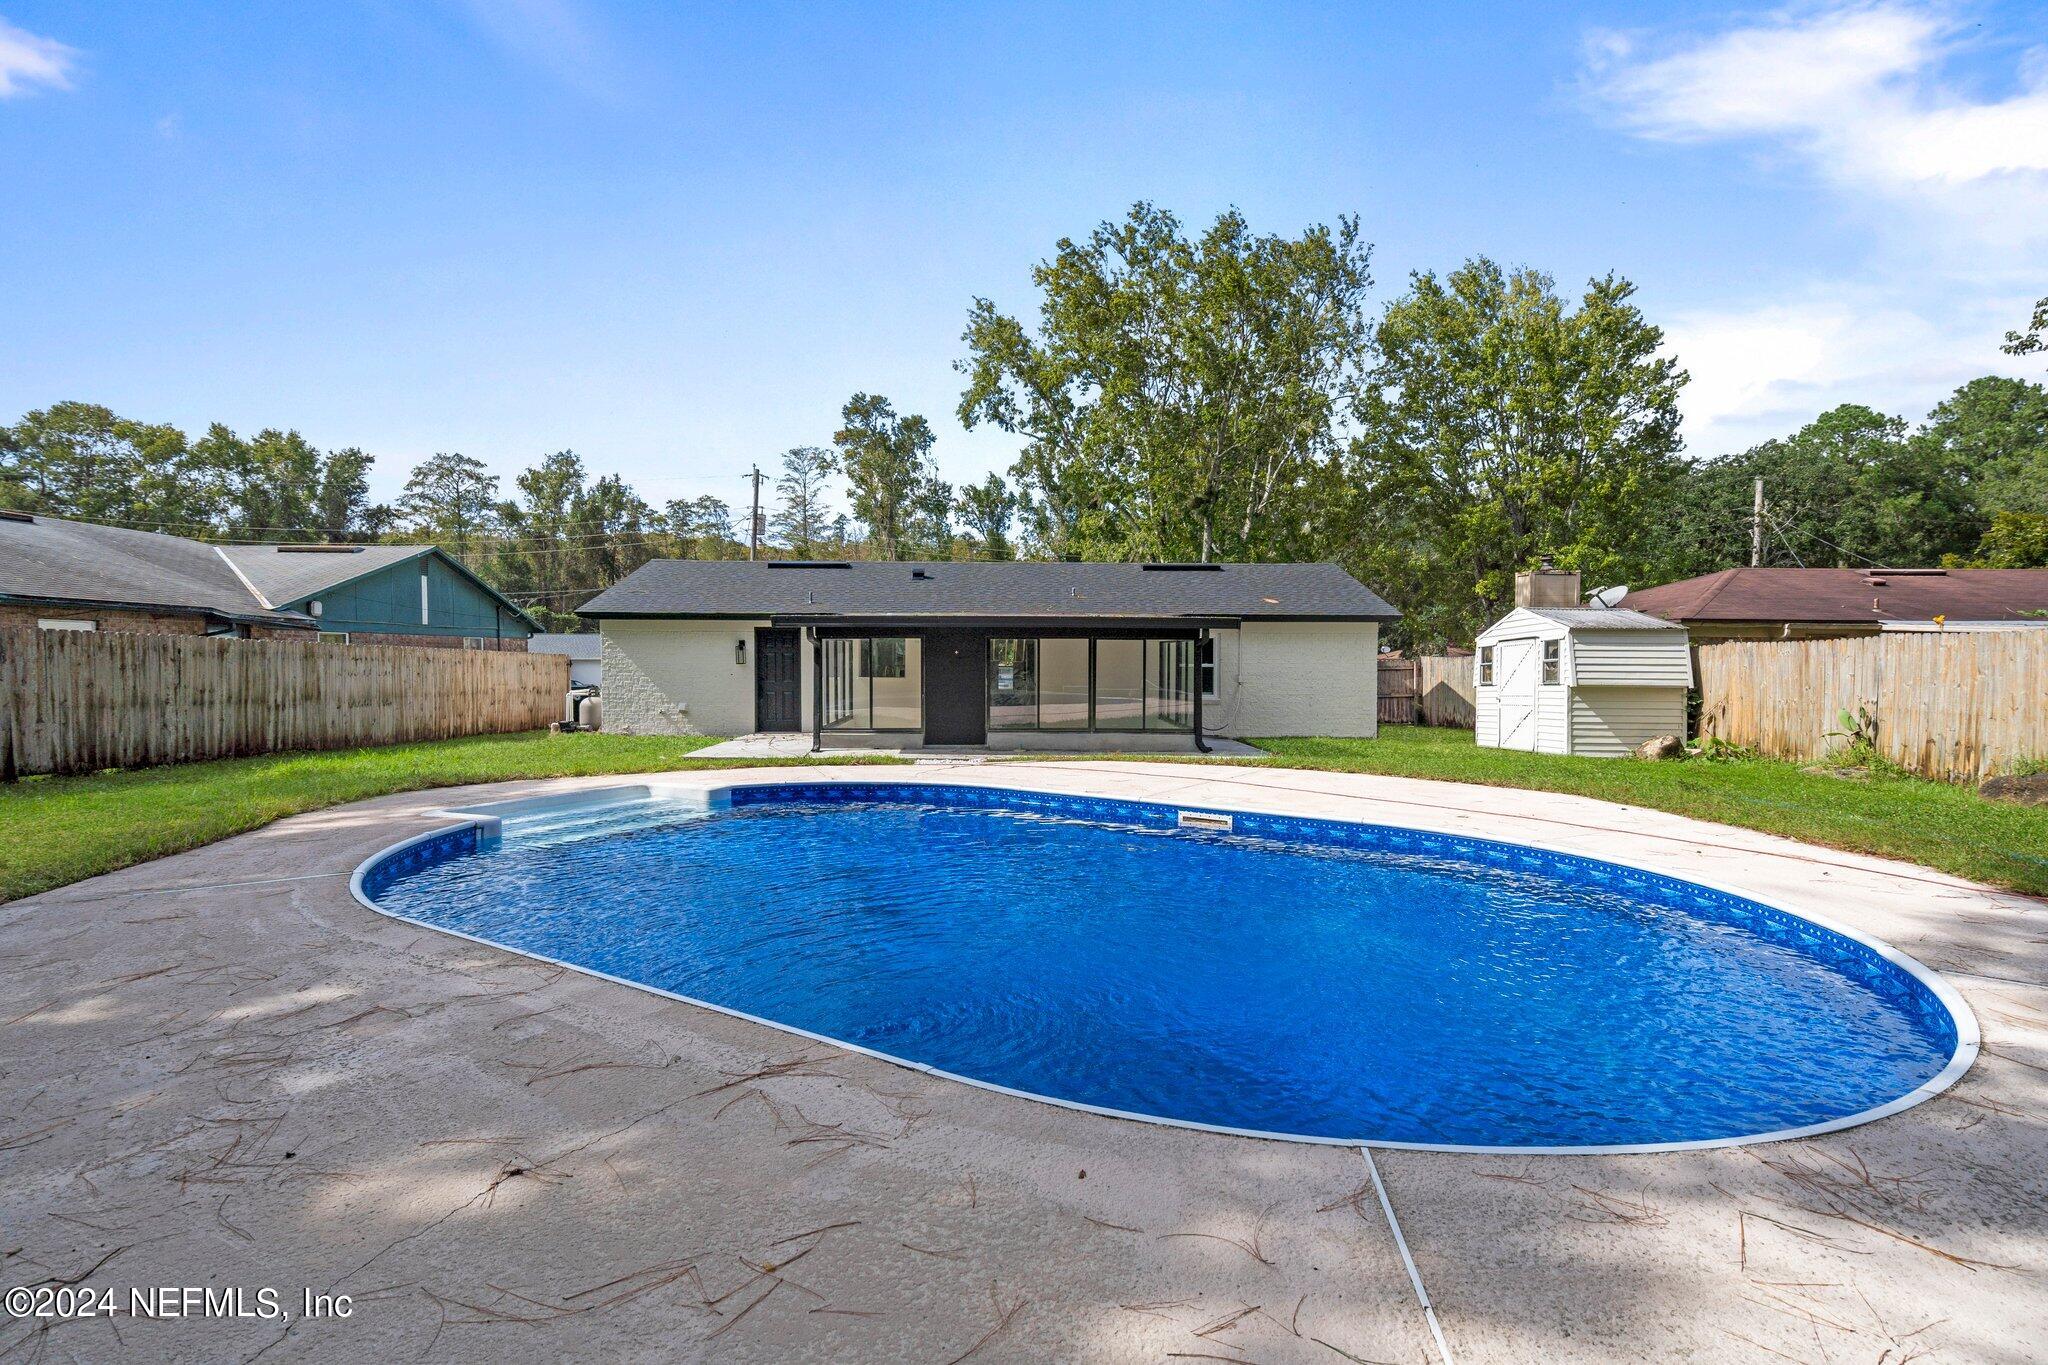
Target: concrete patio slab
(219, 1069)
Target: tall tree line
(1222, 394)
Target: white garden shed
(1595, 681)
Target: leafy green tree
(269, 485)
(1181, 399)
(801, 520)
(987, 509)
(887, 460)
(341, 503)
(2035, 338)
(610, 529)
(1855, 487)
(1992, 435)
(535, 558)
(1501, 424)
(703, 529)
(81, 460)
(2014, 540)
(450, 499)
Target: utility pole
(1756, 526)
(754, 519)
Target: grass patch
(57, 830)
(1889, 813)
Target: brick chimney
(1547, 586)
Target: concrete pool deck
(218, 1069)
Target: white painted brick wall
(677, 677)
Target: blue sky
(676, 238)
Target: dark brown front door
(778, 688)
(956, 687)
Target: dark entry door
(956, 687)
(778, 689)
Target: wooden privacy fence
(1956, 705)
(1429, 689)
(76, 701)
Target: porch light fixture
(739, 651)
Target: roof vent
(1912, 573)
(1182, 568)
(8, 514)
(319, 549)
(919, 573)
(808, 564)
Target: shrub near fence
(76, 701)
(1955, 705)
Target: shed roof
(1011, 589)
(1601, 618)
(1838, 596)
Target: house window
(333, 637)
(1209, 668)
(1486, 665)
(65, 623)
(475, 642)
(885, 657)
(872, 684)
(1551, 666)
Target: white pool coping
(488, 817)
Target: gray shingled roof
(587, 648)
(282, 574)
(686, 588)
(51, 559)
(1601, 618)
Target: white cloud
(1766, 369)
(1856, 92)
(28, 61)
(1953, 186)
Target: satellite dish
(1607, 597)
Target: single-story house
(1797, 604)
(585, 653)
(1593, 681)
(1002, 655)
(76, 575)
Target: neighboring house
(1593, 681)
(76, 575)
(1007, 655)
(1791, 604)
(584, 652)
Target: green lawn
(1931, 823)
(55, 830)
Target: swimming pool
(1311, 979)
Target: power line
(1783, 540)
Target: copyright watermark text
(167, 1302)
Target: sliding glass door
(873, 684)
(1105, 684)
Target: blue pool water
(1322, 980)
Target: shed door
(1515, 685)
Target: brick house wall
(115, 620)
